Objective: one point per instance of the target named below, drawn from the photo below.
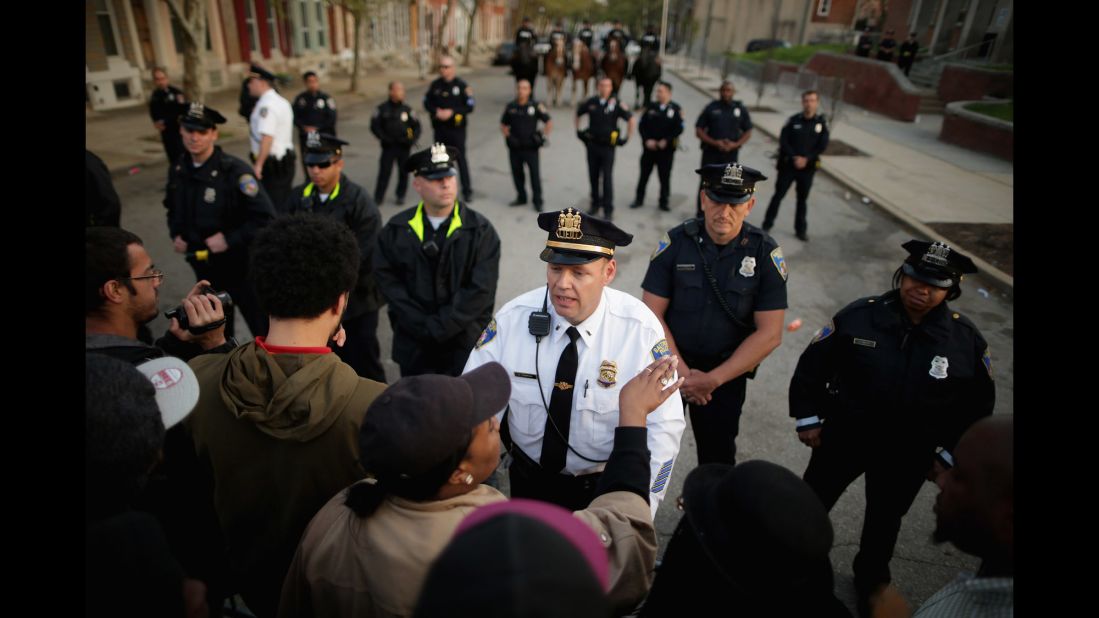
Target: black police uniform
(704, 332)
(803, 137)
(455, 95)
(247, 101)
(523, 142)
(722, 121)
(659, 122)
(602, 137)
(525, 36)
(907, 55)
(167, 106)
(617, 33)
(396, 125)
(889, 392)
(221, 195)
(350, 203)
(440, 282)
(313, 110)
(586, 35)
(101, 204)
(650, 42)
(864, 45)
(558, 33)
(886, 48)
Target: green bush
(799, 54)
(1001, 111)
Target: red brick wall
(960, 83)
(979, 136)
(842, 12)
(868, 84)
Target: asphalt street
(853, 252)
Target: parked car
(503, 53)
(762, 44)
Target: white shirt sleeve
(666, 425)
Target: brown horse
(614, 65)
(583, 67)
(557, 67)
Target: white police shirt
(272, 116)
(622, 330)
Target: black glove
(585, 135)
(621, 141)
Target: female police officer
(888, 380)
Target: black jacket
(454, 95)
(448, 304)
(315, 110)
(803, 137)
(662, 124)
(871, 369)
(350, 204)
(395, 124)
(167, 106)
(101, 203)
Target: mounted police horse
(646, 72)
(524, 63)
(613, 65)
(583, 67)
(556, 68)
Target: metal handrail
(954, 52)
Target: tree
(192, 19)
(358, 10)
(438, 51)
(469, 31)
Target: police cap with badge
(935, 263)
(259, 72)
(433, 163)
(730, 183)
(321, 148)
(199, 117)
(576, 238)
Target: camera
(180, 314)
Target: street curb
(985, 268)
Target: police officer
(396, 125)
(247, 101)
(166, 105)
(586, 34)
(215, 207)
(804, 137)
(271, 136)
(908, 53)
(887, 46)
(601, 138)
(570, 346)
(314, 110)
(449, 101)
(519, 124)
(719, 286)
(101, 204)
(525, 34)
(885, 383)
(437, 265)
(650, 40)
(331, 193)
(660, 127)
(558, 33)
(865, 43)
(616, 33)
(723, 127)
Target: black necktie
(560, 408)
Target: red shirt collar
(285, 349)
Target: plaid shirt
(972, 596)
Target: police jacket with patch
(603, 119)
(586, 35)
(617, 33)
(522, 121)
(446, 299)
(662, 122)
(315, 110)
(908, 52)
(872, 368)
(724, 121)
(650, 41)
(455, 95)
(750, 272)
(353, 206)
(802, 137)
(222, 195)
(525, 36)
(395, 124)
(167, 106)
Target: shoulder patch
(986, 359)
(263, 112)
(665, 242)
(662, 477)
(542, 107)
(487, 335)
(780, 262)
(824, 332)
(331, 103)
(248, 185)
(661, 349)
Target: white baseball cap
(176, 387)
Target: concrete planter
(872, 84)
(961, 82)
(978, 132)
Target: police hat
(935, 263)
(730, 183)
(439, 161)
(322, 147)
(199, 117)
(578, 239)
(257, 71)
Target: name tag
(684, 266)
(866, 342)
(520, 374)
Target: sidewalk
(906, 171)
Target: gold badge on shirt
(608, 372)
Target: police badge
(404, 116)
(938, 367)
(608, 372)
(748, 267)
(210, 195)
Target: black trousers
(391, 155)
(361, 349)
(529, 480)
(442, 359)
(905, 66)
(518, 158)
(894, 475)
(601, 163)
(173, 144)
(787, 177)
(278, 179)
(709, 157)
(229, 272)
(662, 159)
(457, 139)
(717, 423)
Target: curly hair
(300, 265)
(106, 257)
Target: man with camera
(437, 265)
(519, 124)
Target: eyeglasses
(322, 166)
(157, 274)
(446, 66)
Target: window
(121, 89)
(321, 23)
(824, 7)
(250, 21)
(106, 27)
(272, 25)
(306, 44)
